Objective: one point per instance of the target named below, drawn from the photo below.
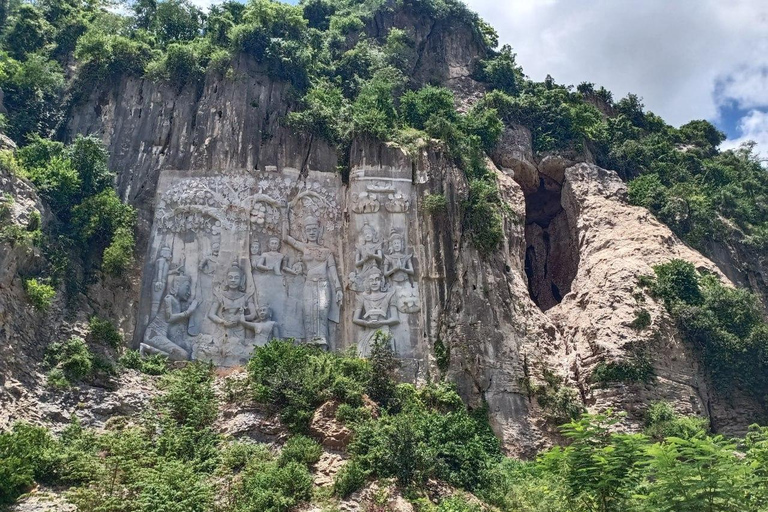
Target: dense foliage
(172, 458)
(724, 324)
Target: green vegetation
(104, 333)
(69, 362)
(560, 403)
(724, 324)
(155, 364)
(434, 203)
(91, 222)
(171, 458)
(642, 319)
(39, 293)
(636, 369)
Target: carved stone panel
(384, 279)
(238, 259)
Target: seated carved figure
(231, 303)
(376, 310)
(167, 332)
(264, 328)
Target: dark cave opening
(551, 255)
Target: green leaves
(724, 324)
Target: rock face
(616, 244)
(247, 231)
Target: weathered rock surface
(327, 429)
(617, 243)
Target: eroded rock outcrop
(616, 244)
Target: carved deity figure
(365, 202)
(264, 327)
(160, 278)
(397, 203)
(375, 310)
(322, 288)
(368, 251)
(206, 273)
(398, 265)
(273, 260)
(232, 304)
(268, 276)
(255, 253)
(166, 334)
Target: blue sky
(687, 59)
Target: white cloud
(753, 127)
(676, 55)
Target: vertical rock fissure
(551, 256)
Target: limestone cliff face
(557, 298)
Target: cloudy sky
(687, 59)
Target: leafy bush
(301, 449)
(27, 454)
(661, 421)
(637, 368)
(427, 439)
(155, 364)
(349, 479)
(642, 319)
(104, 332)
(724, 324)
(434, 203)
(295, 380)
(271, 487)
(70, 361)
(483, 215)
(39, 293)
(188, 397)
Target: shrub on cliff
(724, 324)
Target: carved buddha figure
(322, 294)
(375, 310)
(232, 303)
(398, 266)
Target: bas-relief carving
(384, 277)
(238, 260)
(322, 294)
(231, 296)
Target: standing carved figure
(322, 287)
(375, 310)
(162, 265)
(398, 265)
(273, 260)
(368, 252)
(166, 334)
(232, 304)
(206, 273)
